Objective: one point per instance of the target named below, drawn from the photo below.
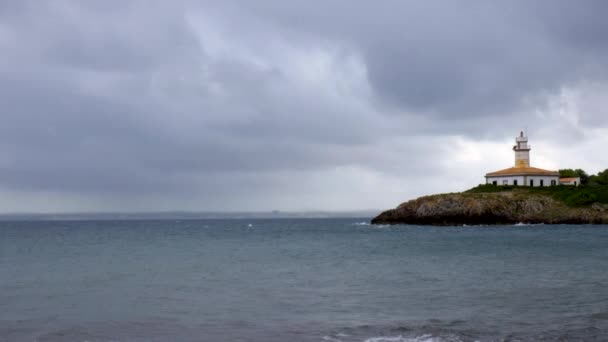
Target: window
(531, 182)
(542, 182)
(494, 183)
(515, 182)
(505, 182)
(574, 183)
(553, 182)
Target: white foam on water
(523, 224)
(335, 337)
(361, 224)
(381, 225)
(400, 338)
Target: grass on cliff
(581, 196)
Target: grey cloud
(461, 58)
(128, 98)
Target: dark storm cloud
(224, 98)
(460, 58)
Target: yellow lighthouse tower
(522, 151)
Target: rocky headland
(490, 208)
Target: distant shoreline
(186, 215)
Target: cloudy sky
(289, 105)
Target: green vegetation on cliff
(571, 196)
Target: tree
(583, 175)
(567, 173)
(600, 179)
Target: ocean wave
(368, 333)
(421, 338)
(365, 224)
(524, 224)
(439, 334)
(361, 224)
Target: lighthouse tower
(522, 151)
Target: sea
(325, 280)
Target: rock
(507, 207)
(599, 207)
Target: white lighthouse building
(522, 173)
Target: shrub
(569, 195)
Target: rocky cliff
(507, 207)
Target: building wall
(547, 180)
(509, 179)
(523, 180)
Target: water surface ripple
(335, 280)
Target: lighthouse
(522, 151)
(522, 174)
